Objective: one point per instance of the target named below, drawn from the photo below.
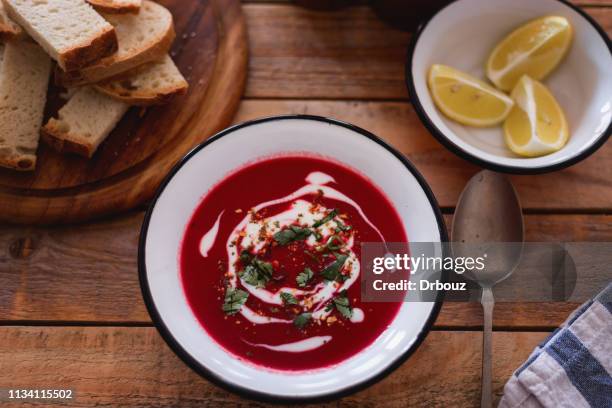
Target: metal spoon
(488, 212)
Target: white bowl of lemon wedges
(521, 86)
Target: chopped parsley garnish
(257, 273)
(304, 277)
(332, 272)
(342, 304)
(288, 298)
(302, 320)
(265, 267)
(246, 257)
(292, 234)
(332, 214)
(343, 227)
(234, 299)
(334, 243)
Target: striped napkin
(573, 367)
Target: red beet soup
(270, 262)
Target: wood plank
(345, 54)
(132, 367)
(88, 273)
(83, 273)
(297, 53)
(397, 123)
(507, 316)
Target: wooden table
(71, 313)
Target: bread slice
(116, 6)
(154, 83)
(8, 28)
(70, 31)
(24, 77)
(84, 122)
(143, 37)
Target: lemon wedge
(466, 99)
(536, 125)
(534, 49)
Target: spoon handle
(487, 366)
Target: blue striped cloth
(573, 367)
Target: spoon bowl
(489, 220)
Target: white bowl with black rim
(463, 34)
(208, 164)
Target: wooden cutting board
(211, 51)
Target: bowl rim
(209, 375)
(456, 149)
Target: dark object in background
(325, 4)
(400, 14)
(406, 14)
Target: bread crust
(62, 141)
(10, 32)
(8, 28)
(105, 7)
(24, 162)
(7, 33)
(162, 97)
(102, 46)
